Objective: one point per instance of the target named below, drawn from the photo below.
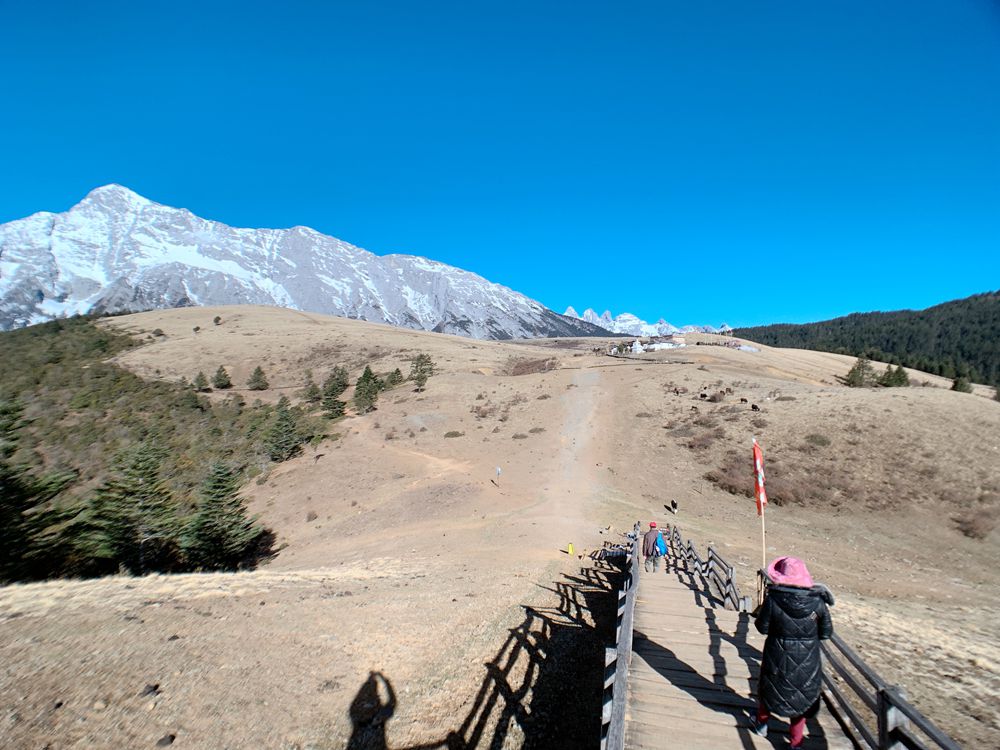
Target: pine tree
(283, 440)
(366, 392)
(894, 378)
(861, 374)
(221, 379)
(333, 407)
(394, 378)
(258, 381)
(962, 385)
(10, 421)
(200, 382)
(421, 368)
(368, 376)
(188, 399)
(31, 544)
(311, 393)
(336, 382)
(220, 534)
(131, 521)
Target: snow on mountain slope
(629, 325)
(116, 251)
(626, 323)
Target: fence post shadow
(716, 693)
(545, 682)
(725, 699)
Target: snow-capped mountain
(724, 328)
(628, 324)
(117, 251)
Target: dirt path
(567, 487)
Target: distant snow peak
(626, 324)
(116, 251)
(114, 191)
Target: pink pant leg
(797, 730)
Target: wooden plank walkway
(693, 678)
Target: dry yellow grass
(402, 556)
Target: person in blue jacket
(651, 549)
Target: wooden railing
(851, 688)
(714, 570)
(871, 712)
(616, 660)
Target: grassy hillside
(961, 337)
(75, 416)
(402, 554)
(81, 411)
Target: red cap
(652, 524)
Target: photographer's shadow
(372, 707)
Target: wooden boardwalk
(693, 674)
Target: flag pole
(761, 586)
(760, 494)
(763, 543)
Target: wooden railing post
(610, 665)
(890, 717)
(617, 660)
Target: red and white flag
(759, 493)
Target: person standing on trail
(795, 618)
(651, 549)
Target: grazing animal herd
(718, 397)
(715, 397)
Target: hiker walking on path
(652, 548)
(795, 618)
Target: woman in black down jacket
(795, 618)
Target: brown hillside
(401, 558)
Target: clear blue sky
(703, 161)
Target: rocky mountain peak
(631, 325)
(116, 251)
(114, 195)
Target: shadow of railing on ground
(542, 689)
(716, 691)
(716, 694)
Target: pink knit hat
(790, 571)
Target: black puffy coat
(794, 620)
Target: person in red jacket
(650, 551)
